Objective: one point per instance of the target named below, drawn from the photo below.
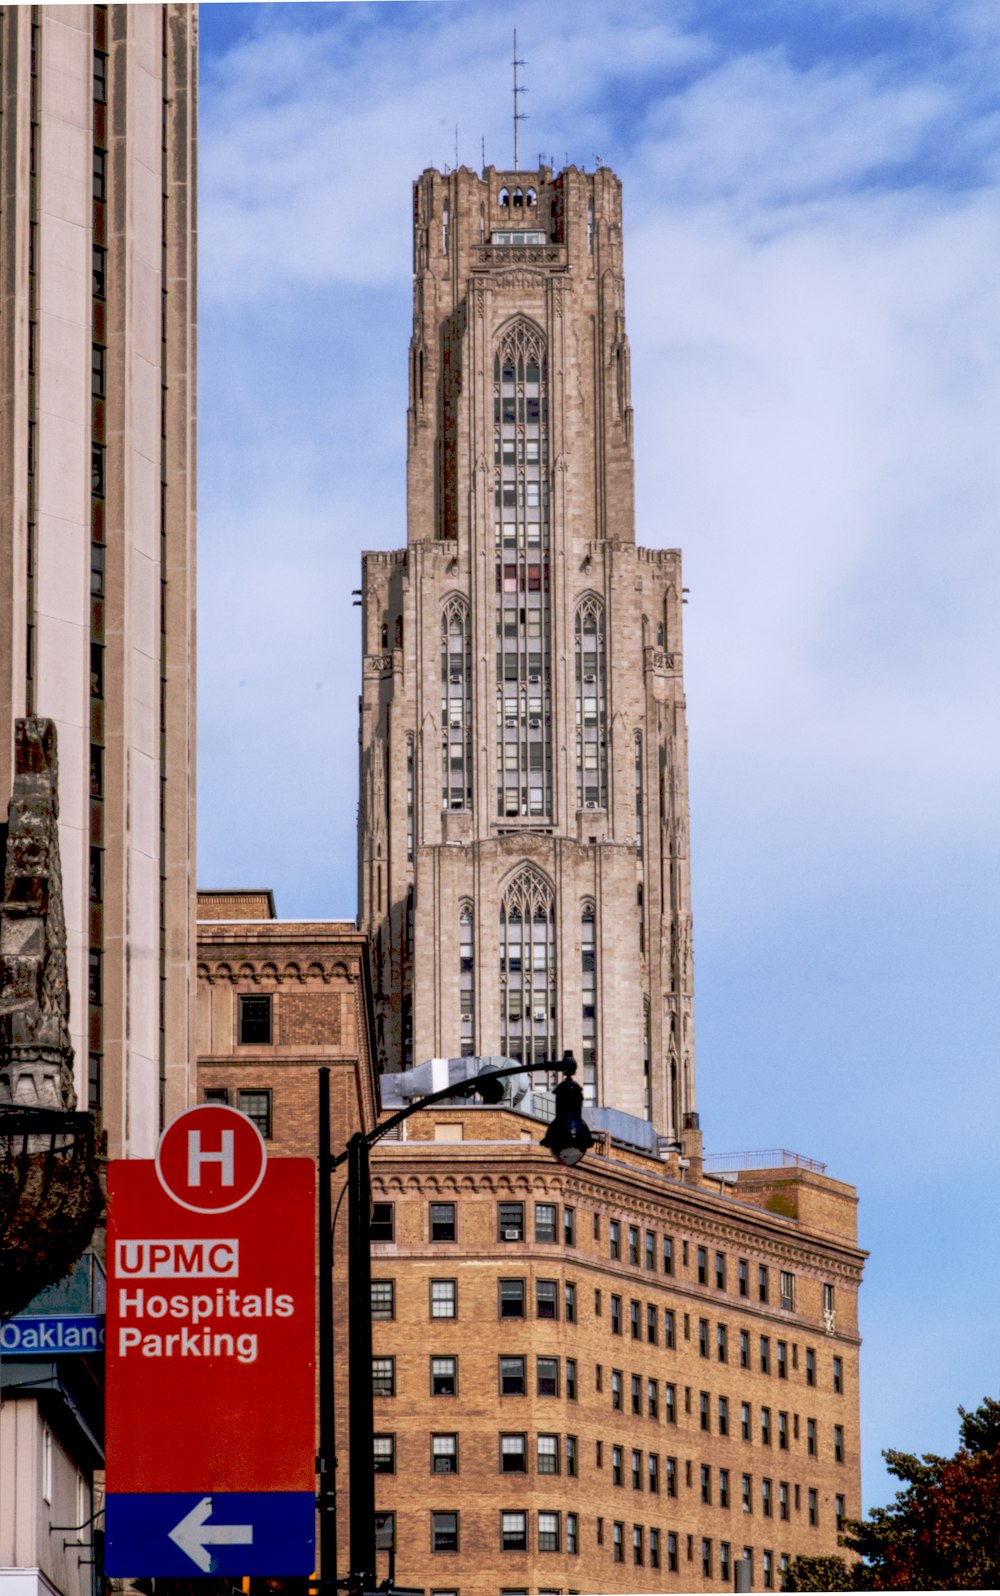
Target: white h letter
(196, 1158)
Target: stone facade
(681, 1419)
(523, 739)
(97, 517)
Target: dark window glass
(381, 1228)
(511, 1299)
(510, 1219)
(253, 1018)
(442, 1221)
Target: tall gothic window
(647, 1085)
(528, 968)
(638, 792)
(466, 982)
(591, 712)
(523, 620)
(409, 798)
(456, 705)
(588, 994)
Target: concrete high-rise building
(97, 514)
(524, 860)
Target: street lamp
(568, 1137)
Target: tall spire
(519, 116)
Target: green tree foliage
(821, 1573)
(943, 1530)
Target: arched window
(504, 199)
(456, 705)
(466, 982)
(530, 199)
(528, 968)
(517, 199)
(591, 708)
(588, 996)
(523, 620)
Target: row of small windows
(514, 1532)
(254, 1102)
(552, 1454)
(512, 1376)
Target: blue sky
(811, 247)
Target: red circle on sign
(211, 1158)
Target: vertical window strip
(528, 969)
(591, 710)
(98, 547)
(638, 793)
(523, 610)
(409, 800)
(466, 982)
(647, 1096)
(456, 705)
(588, 995)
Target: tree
(821, 1573)
(943, 1530)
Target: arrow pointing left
(194, 1536)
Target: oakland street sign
(210, 1440)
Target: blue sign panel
(52, 1334)
(193, 1534)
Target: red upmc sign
(210, 1355)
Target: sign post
(210, 1436)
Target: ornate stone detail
(657, 659)
(517, 282)
(378, 665)
(518, 254)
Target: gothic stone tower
(524, 862)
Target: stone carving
(36, 1055)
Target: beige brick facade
(522, 747)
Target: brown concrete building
(620, 1377)
(97, 514)
(523, 852)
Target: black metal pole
(362, 1414)
(325, 1462)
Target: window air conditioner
(512, 1235)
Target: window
(384, 1453)
(703, 1337)
(211, 1094)
(598, 1377)
(765, 1426)
(746, 1486)
(723, 1487)
(653, 1470)
(569, 1302)
(615, 1239)
(811, 1447)
(637, 1543)
(652, 1399)
(253, 1018)
(382, 1222)
(787, 1291)
(636, 1471)
(743, 1278)
(838, 1443)
(548, 1454)
(256, 1105)
(704, 1411)
(633, 1244)
(706, 1559)
(510, 1221)
(444, 1377)
(636, 1386)
(617, 1455)
(572, 1456)
(725, 1562)
(829, 1309)
(570, 1379)
(670, 1403)
(618, 1534)
(706, 1483)
(545, 1221)
(669, 1328)
(671, 1551)
(591, 727)
(513, 1532)
(569, 1227)
(444, 1532)
(511, 1299)
(762, 1282)
(547, 1377)
(456, 713)
(783, 1432)
(572, 1533)
(383, 1299)
(668, 1255)
(385, 1532)
(97, 371)
(47, 1461)
(671, 1472)
(810, 1366)
(765, 1355)
(513, 1454)
(813, 1501)
(635, 1323)
(99, 271)
(744, 1349)
(838, 1374)
(512, 1377)
(444, 1454)
(702, 1266)
(722, 1343)
(768, 1570)
(527, 959)
(746, 1421)
(766, 1502)
(782, 1360)
(546, 1299)
(616, 1315)
(840, 1511)
(650, 1250)
(442, 1221)
(383, 1377)
(597, 1227)
(444, 1299)
(783, 1499)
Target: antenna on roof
(519, 116)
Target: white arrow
(193, 1535)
